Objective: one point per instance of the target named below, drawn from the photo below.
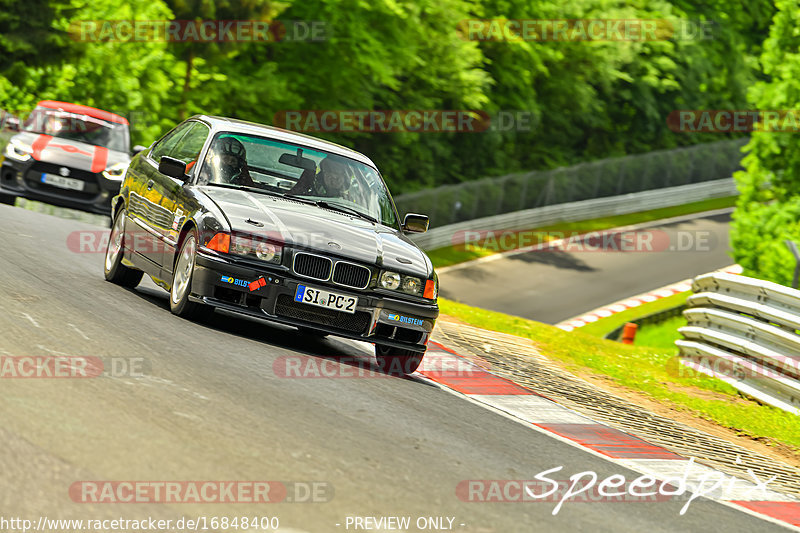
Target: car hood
(328, 232)
(73, 154)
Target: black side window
(188, 147)
(168, 142)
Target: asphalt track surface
(210, 407)
(554, 285)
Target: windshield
(81, 128)
(331, 180)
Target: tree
(768, 210)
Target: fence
(450, 204)
(456, 234)
(745, 332)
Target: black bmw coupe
(277, 225)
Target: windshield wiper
(332, 207)
(344, 209)
(244, 187)
(301, 199)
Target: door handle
(150, 184)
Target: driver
(229, 162)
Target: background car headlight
(390, 280)
(400, 282)
(17, 152)
(254, 247)
(115, 172)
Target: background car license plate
(328, 299)
(64, 183)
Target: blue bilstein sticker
(407, 319)
(234, 281)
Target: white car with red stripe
(67, 154)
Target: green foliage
(587, 100)
(32, 32)
(768, 211)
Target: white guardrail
(744, 331)
(453, 234)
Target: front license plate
(328, 299)
(62, 182)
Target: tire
(113, 269)
(396, 361)
(181, 286)
(8, 199)
(310, 332)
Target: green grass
(662, 335)
(652, 371)
(604, 326)
(451, 255)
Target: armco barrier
(488, 197)
(453, 234)
(744, 331)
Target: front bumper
(378, 319)
(23, 179)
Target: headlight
(115, 172)
(17, 152)
(400, 282)
(390, 280)
(254, 247)
(411, 285)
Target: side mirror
(138, 148)
(172, 167)
(414, 223)
(12, 123)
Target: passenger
(332, 181)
